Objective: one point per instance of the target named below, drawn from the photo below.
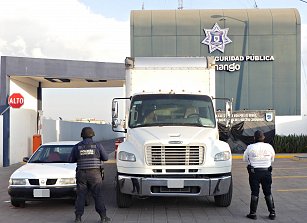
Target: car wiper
(172, 124)
(194, 124)
(148, 125)
(37, 161)
(58, 161)
(208, 126)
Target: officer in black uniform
(88, 156)
(259, 157)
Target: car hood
(45, 170)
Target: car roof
(61, 143)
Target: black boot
(271, 207)
(78, 219)
(253, 207)
(104, 219)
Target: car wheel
(18, 203)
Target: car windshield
(171, 110)
(52, 154)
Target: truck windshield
(171, 110)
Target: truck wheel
(224, 200)
(18, 203)
(123, 200)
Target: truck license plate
(175, 183)
(41, 193)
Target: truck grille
(174, 155)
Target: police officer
(259, 157)
(88, 156)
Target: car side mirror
(25, 159)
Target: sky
(95, 30)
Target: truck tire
(224, 200)
(18, 203)
(123, 200)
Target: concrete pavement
(289, 191)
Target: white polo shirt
(259, 155)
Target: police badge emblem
(269, 116)
(216, 38)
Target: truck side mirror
(228, 113)
(115, 122)
(114, 110)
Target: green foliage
(290, 144)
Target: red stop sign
(16, 100)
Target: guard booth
(20, 126)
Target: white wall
(290, 125)
(28, 90)
(57, 130)
(1, 140)
(22, 120)
(21, 140)
(49, 131)
(72, 131)
(23, 127)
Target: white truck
(171, 145)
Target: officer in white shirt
(259, 157)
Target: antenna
(255, 5)
(180, 4)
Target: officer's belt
(261, 169)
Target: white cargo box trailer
(172, 74)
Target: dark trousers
(89, 180)
(263, 177)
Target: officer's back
(88, 156)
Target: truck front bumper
(147, 186)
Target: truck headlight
(67, 181)
(222, 156)
(17, 181)
(124, 156)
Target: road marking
(283, 177)
(292, 190)
(290, 161)
(289, 168)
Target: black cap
(259, 136)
